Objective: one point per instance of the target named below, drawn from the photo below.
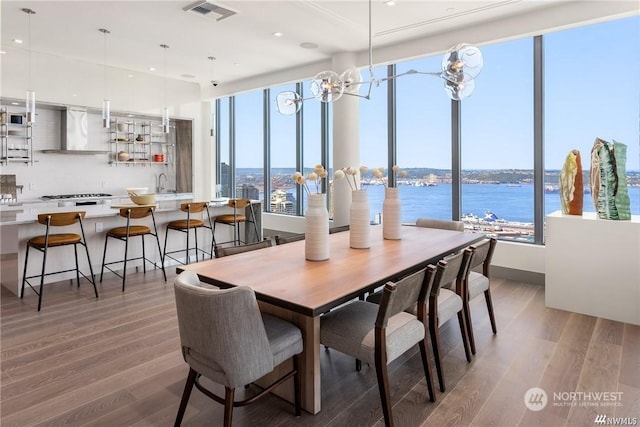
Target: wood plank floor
(116, 361)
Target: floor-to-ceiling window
(248, 144)
(497, 144)
(282, 143)
(224, 182)
(373, 138)
(592, 89)
(311, 137)
(423, 134)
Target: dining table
(300, 291)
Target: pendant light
(106, 105)
(165, 109)
(30, 100)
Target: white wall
(62, 81)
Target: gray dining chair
(378, 334)
(477, 283)
(445, 302)
(281, 240)
(440, 223)
(225, 338)
(221, 251)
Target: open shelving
(141, 141)
(16, 137)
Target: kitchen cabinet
(140, 142)
(16, 137)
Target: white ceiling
(243, 43)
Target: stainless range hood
(74, 135)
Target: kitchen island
(19, 223)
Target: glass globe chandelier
(461, 64)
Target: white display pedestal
(593, 266)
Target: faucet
(160, 188)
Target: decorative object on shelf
(165, 109)
(571, 184)
(106, 104)
(123, 156)
(122, 127)
(139, 138)
(460, 66)
(608, 180)
(316, 217)
(30, 101)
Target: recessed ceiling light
(236, 64)
(278, 34)
(129, 115)
(308, 45)
(74, 95)
(130, 75)
(187, 76)
(2, 52)
(450, 9)
(390, 2)
(15, 103)
(151, 69)
(17, 41)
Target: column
(346, 139)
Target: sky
(592, 89)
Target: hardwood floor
(116, 361)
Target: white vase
(359, 220)
(391, 214)
(316, 228)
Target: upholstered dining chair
(378, 334)
(221, 251)
(445, 301)
(56, 240)
(440, 223)
(281, 240)
(478, 283)
(226, 339)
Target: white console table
(593, 266)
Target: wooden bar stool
(190, 224)
(130, 231)
(49, 240)
(235, 219)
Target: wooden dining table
(289, 286)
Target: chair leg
(383, 387)
(187, 259)
(435, 344)
(463, 332)
(93, 279)
(44, 262)
(487, 297)
(191, 379)
(427, 369)
(126, 255)
(75, 253)
(297, 385)
(164, 273)
(467, 317)
(195, 240)
(228, 406)
(144, 256)
(24, 272)
(104, 256)
(163, 254)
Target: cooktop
(76, 196)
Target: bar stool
(130, 231)
(190, 224)
(235, 219)
(49, 240)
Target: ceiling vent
(209, 10)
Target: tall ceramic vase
(316, 228)
(359, 222)
(391, 214)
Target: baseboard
(518, 275)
